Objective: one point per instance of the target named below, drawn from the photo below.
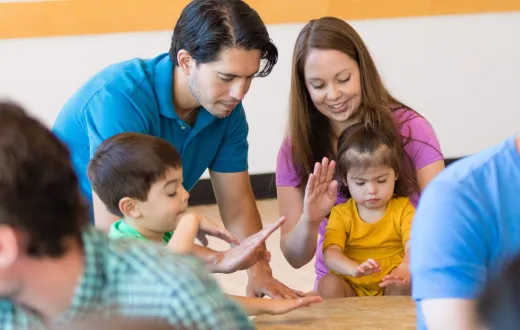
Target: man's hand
(247, 253)
(261, 282)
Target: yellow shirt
(382, 241)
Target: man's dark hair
(39, 191)
(127, 165)
(207, 27)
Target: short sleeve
(336, 232)
(421, 143)
(110, 112)
(448, 249)
(285, 172)
(406, 221)
(232, 154)
(118, 230)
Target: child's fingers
(223, 234)
(391, 279)
(372, 262)
(299, 293)
(307, 301)
(203, 239)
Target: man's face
(221, 85)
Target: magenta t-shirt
(423, 149)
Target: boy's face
(371, 188)
(167, 199)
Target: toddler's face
(372, 187)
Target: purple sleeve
(422, 145)
(285, 173)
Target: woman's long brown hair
(310, 132)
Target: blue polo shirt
(137, 96)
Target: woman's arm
(304, 213)
(298, 235)
(427, 173)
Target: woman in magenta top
(334, 82)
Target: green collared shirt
(138, 279)
(120, 229)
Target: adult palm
(321, 191)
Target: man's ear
(129, 207)
(185, 61)
(9, 246)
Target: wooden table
(348, 313)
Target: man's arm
(441, 314)
(236, 203)
(240, 215)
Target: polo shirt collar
(164, 92)
(164, 87)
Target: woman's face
(333, 81)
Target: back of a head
(498, 307)
(39, 192)
(207, 27)
(127, 165)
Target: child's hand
(207, 227)
(282, 306)
(367, 268)
(400, 275)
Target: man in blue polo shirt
(190, 97)
(466, 230)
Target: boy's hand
(400, 275)
(282, 306)
(367, 268)
(210, 228)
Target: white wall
(460, 72)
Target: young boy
(139, 178)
